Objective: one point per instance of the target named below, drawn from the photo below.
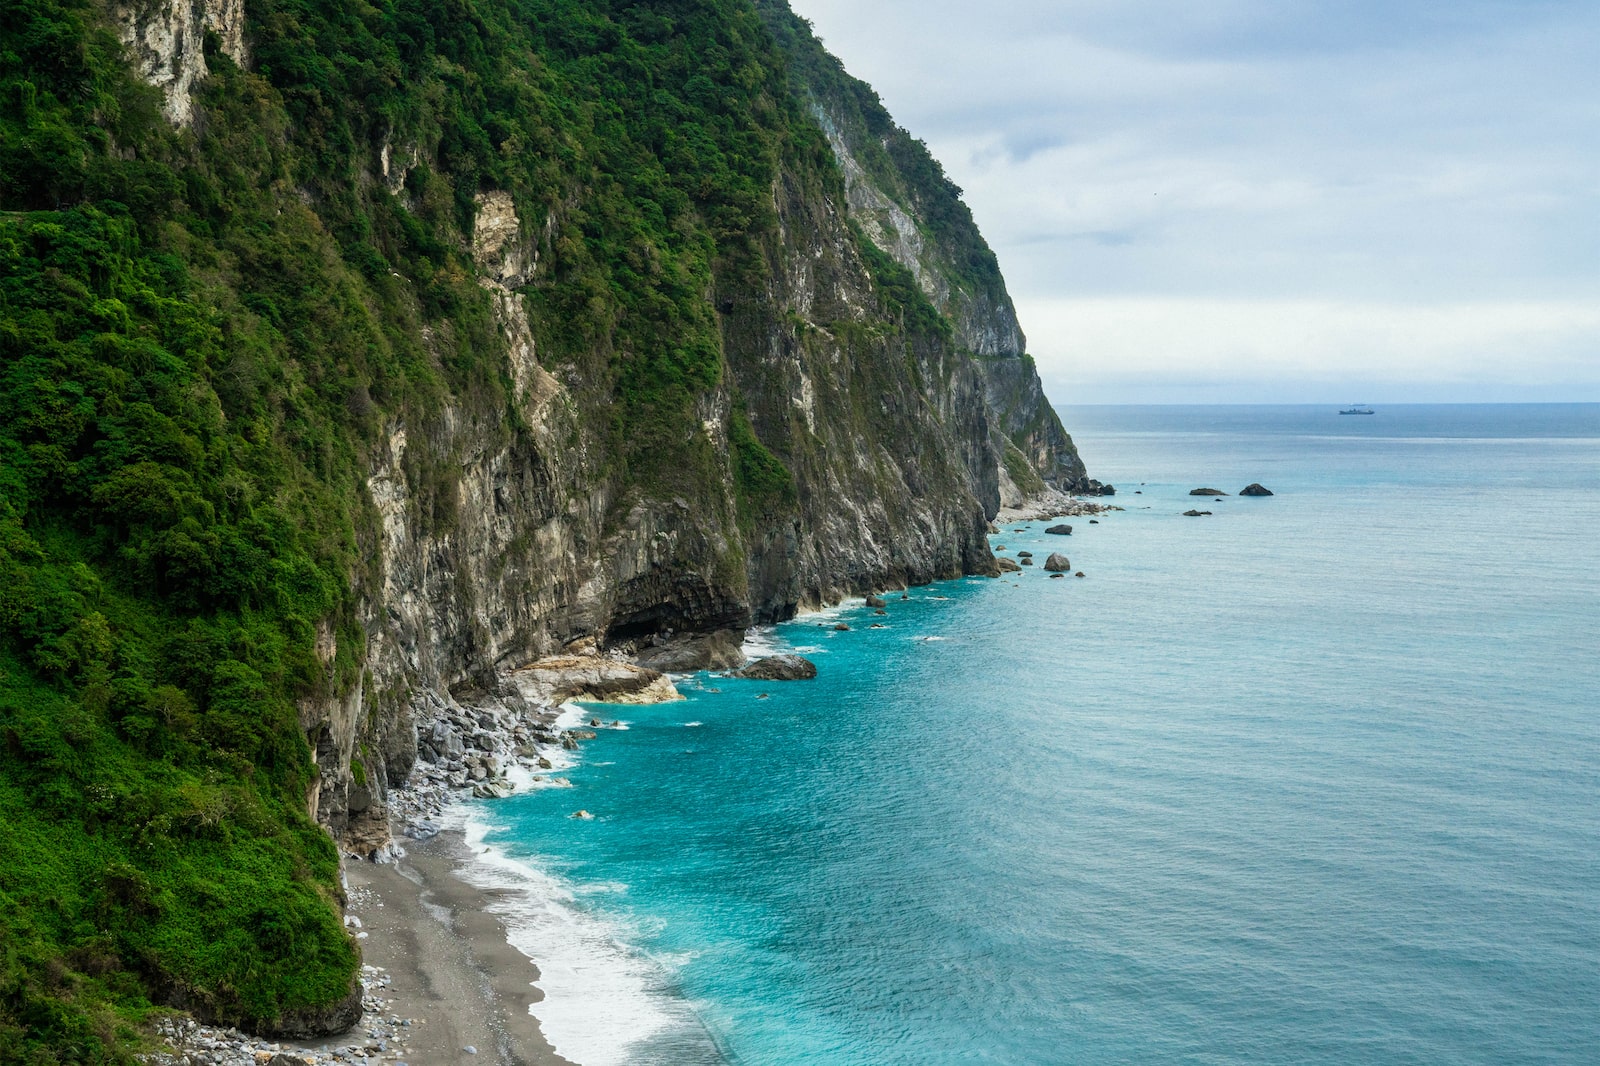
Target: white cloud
(1172, 350)
(1367, 156)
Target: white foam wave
(602, 997)
(693, 725)
(760, 642)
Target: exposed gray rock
(1008, 566)
(1057, 563)
(779, 668)
(702, 651)
(1255, 488)
(1061, 530)
(1207, 492)
(1195, 514)
(876, 601)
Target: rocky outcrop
(698, 651)
(1255, 489)
(1062, 530)
(1207, 492)
(779, 668)
(1057, 563)
(165, 40)
(561, 678)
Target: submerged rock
(779, 668)
(1057, 563)
(1255, 488)
(1195, 514)
(1054, 577)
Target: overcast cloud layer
(1258, 200)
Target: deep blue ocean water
(1315, 779)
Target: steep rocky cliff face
(900, 199)
(358, 358)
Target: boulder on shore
(1062, 530)
(874, 600)
(1007, 566)
(1057, 563)
(1255, 488)
(699, 651)
(590, 678)
(1207, 492)
(779, 668)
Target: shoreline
(442, 972)
(450, 966)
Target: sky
(1257, 201)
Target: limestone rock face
(166, 40)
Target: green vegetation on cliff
(205, 335)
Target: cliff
(355, 357)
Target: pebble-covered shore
(488, 750)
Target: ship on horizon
(1358, 409)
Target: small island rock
(1255, 488)
(1057, 563)
(1207, 492)
(779, 668)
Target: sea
(1312, 778)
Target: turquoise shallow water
(1315, 779)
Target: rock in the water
(779, 668)
(1055, 576)
(1024, 555)
(1255, 488)
(1195, 514)
(841, 628)
(1094, 521)
(1007, 566)
(1057, 563)
(1207, 492)
(880, 611)
(1028, 561)
(876, 601)
(582, 816)
(1061, 530)
(1078, 574)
